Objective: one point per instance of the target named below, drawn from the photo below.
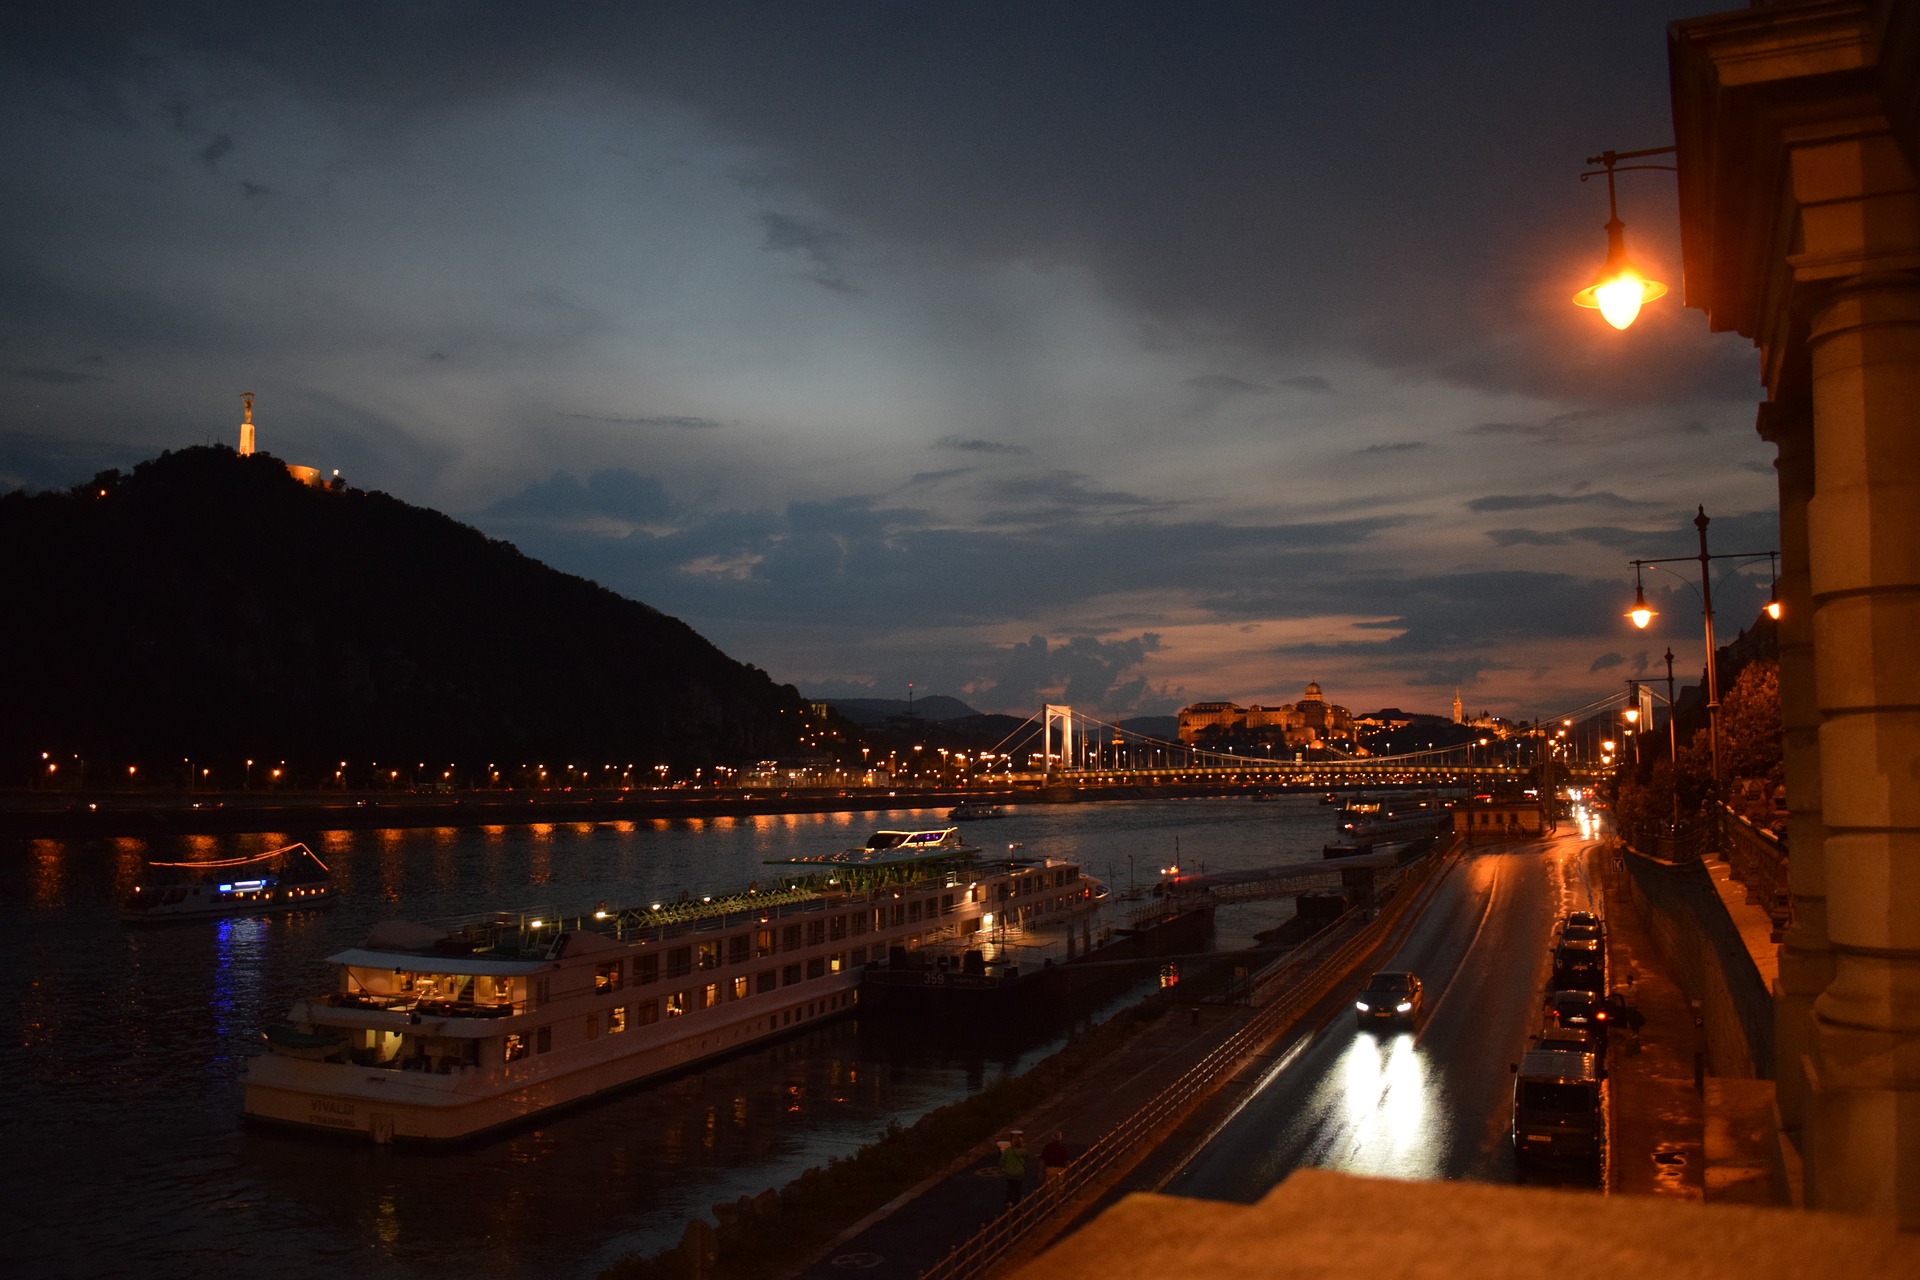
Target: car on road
(1579, 1011)
(1395, 999)
(1582, 926)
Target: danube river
(125, 1151)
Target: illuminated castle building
(1302, 724)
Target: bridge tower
(1063, 716)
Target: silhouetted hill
(210, 605)
(864, 711)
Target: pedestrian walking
(1054, 1155)
(1013, 1166)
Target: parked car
(1392, 998)
(1579, 926)
(1579, 1011)
(1579, 965)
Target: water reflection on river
(124, 1146)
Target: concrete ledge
(1328, 1226)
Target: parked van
(1559, 1104)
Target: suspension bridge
(1062, 747)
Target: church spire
(1457, 718)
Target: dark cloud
(682, 422)
(56, 377)
(1535, 501)
(928, 479)
(254, 190)
(1397, 446)
(1605, 662)
(822, 246)
(1528, 538)
(217, 149)
(1226, 385)
(617, 493)
(1309, 382)
(961, 444)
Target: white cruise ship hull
(421, 1106)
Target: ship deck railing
(408, 1003)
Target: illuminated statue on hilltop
(246, 425)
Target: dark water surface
(124, 1151)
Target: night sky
(1121, 354)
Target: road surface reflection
(1380, 1105)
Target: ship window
(913, 911)
(763, 943)
(739, 948)
(816, 932)
(860, 920)
(765, 980)
(617, 1019)
(593, 1026)
(946, 904)
(839, 929)
(859, 955)
(679, 962)
(790, 975)
(516, 1047)
(646, 969)
(710, 995)
(676, 1004)
(540, 991)
(790, 938)
(543, 1040)
(741, 987)
(710, 954)
(608, 977)
(836, 962)
(647, 1011)
(817, 967)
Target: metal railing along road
(1125, 1144)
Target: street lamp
(1641, 615)
(1620, 290)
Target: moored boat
(975, 811)
(437, 1033)
(287, 879)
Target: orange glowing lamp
(1641, 613)
(1620, 290)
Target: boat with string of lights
(291, 878)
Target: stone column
(1863, 522)
(1806, 960)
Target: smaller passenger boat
(975, 811)
(287, 879)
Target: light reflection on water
(132, 1040)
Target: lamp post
(1620, 290)
(1641, 615)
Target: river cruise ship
(433, 1034)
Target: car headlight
(1361, 1005)
(1405, 1006)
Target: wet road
(1432, 1103)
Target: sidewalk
(1659, 1121)
(1670, 1138)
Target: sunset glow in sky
(1121, 354)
